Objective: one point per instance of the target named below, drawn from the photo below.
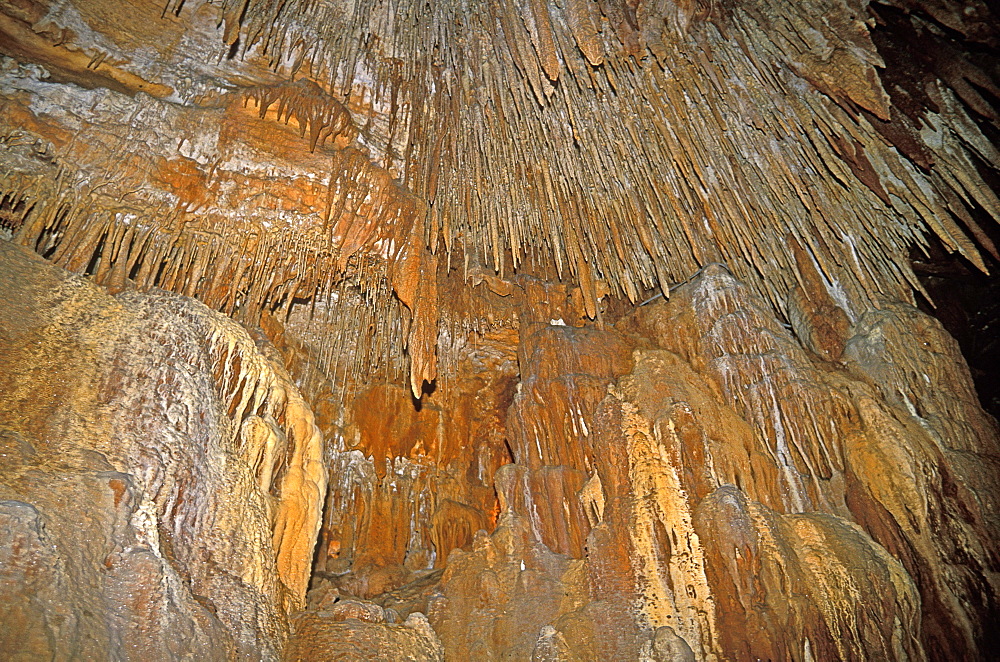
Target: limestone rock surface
(160, 477)
(522, 329)
(323, 636)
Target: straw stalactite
(230, 216)
(618, 146)
(666, 159)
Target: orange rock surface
(526, 330)
(195, 469)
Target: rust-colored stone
(583, 327)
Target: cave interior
(549, 330)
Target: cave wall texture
(540, 330)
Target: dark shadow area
(919, 51)
(967, 302)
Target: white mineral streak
(660, 501)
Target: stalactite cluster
(280, 441)
(535, 329)
(198, 221)
(314, 111)
(641, 188)
(619, 147)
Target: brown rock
(317, 636)
(504, 596)
(179, 519)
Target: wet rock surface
(695, 483)
(530, 330)
(157, 508)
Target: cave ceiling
(370, 162)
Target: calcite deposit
(162, 477)
(539, 330)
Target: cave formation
(535, 330)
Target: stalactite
(281, 441)
(702, 205)
(664, 163)
(321, 115)
(176, 225)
